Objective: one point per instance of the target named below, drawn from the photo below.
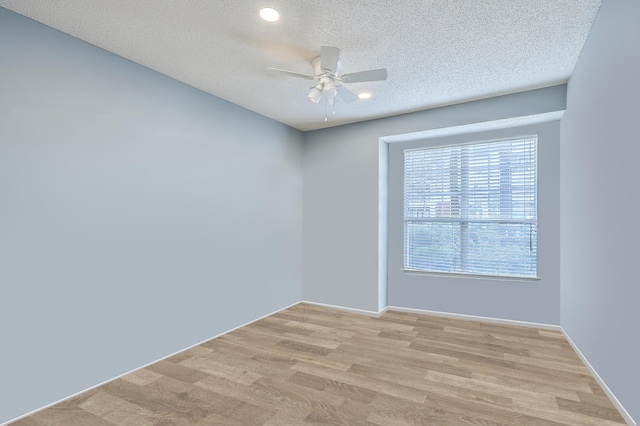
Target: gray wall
(343, 243)
(599, 191)
(533, 301)
(340, 218)
(138, 216)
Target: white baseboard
(140, 368)
(351, 310)
(625, 415)
(476, 318)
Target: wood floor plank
(70, 416)
(178, 371)
(591, 410)
(432, 386)
(348, 378)
(334, 387)
(311, 365)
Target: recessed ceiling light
(269, 15)
(364, 95)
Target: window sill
(470, 275)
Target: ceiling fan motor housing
(327, 83)
(318, 71)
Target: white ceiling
(437, 52)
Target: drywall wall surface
(533, 300)
(138, 216)
(340, 218)
(599, 191)
(343, 198)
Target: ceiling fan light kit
(315, 94)
(330, 84)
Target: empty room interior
(190, 238)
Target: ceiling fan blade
(370, 75)
(346, 95)
(292, 73)
(329, 58)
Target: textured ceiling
(437, 52)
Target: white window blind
(472, 208)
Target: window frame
(463, 220)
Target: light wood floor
(309, 365)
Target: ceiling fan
(326, 67)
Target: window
(472, 208)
